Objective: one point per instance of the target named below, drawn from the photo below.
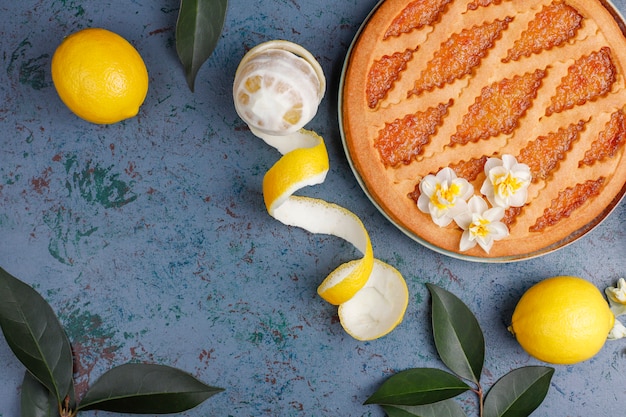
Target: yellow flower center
(444, 195)
(507, 185)
(479, 228)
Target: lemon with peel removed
(278, 87)
(276, 95)
(378, 307)
(562, 320)
(99, 76)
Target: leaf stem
(65, 410)
(479, 393)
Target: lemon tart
(432, 86)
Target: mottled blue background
(150, 240)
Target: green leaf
(36, 400)
(518, 393)
(458, 337)
(35, 335)
(198, 29)
(418, 386)
(146, 389)
(446, 408)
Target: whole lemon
(99, 76)
(562, 320)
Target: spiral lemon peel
(305, 166)
(372, 296)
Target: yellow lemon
(562, 320)
(99, 76)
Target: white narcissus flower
(444, 196)
(617, 301)
(617, 297)
(507, 182)
(617, 332)
(481, 225)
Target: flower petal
(459, 207)
(498, 230)
(423, 203)
(476, 205)
(466, 190)
(487, 188)
(492, 163)
(617, 332)
(617, 297)
(428, 185)
(466, 242)
(494, 214)
(486, 243)
(464, 219)
(522, 172)
(508, 161)
(446, 174)
(497, 172)
(518, 199)
(442, 220)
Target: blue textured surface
(150, 239)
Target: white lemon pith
(562, 320)
(99, 76)
(277, 90)
(378, 307)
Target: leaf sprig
(198, 29)
(459, 340)
(36, 337)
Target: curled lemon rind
(319, 216)
(372, 296)
(304, 163)
(307, 166)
